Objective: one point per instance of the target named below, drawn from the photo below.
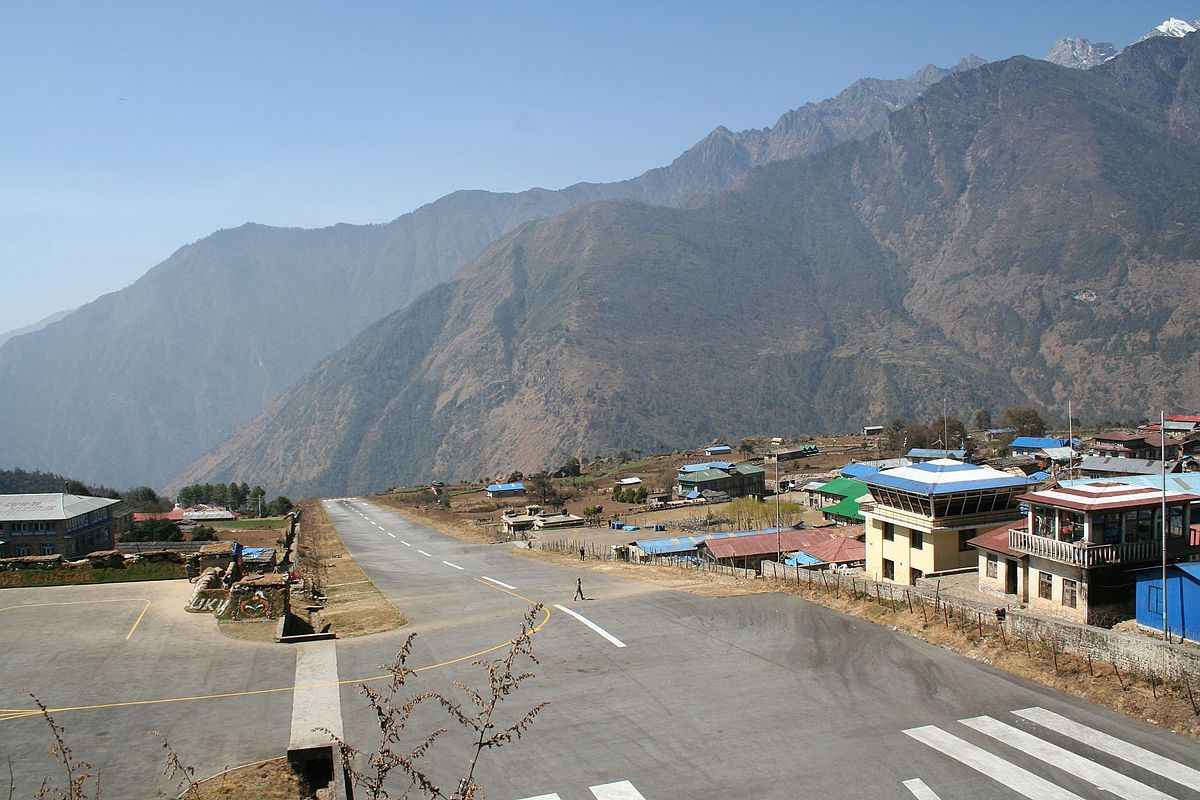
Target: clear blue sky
(130, 129)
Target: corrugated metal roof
(844, 487)
(944, 476)
(1131, 466)
(705, 465)
(506, 487)
(761, 543)
(1179, 481)
(684, 544)
(1099, 495)
(996, 540)
(839, 550)
(1038, 442)
(847, 508)
(48, 506)
(921, 452)
(858, 470)
(718, 448)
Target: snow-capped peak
(1174, 27)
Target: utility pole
(1162, 456)
(778, 529)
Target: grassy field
(252, 524)
(156, 571)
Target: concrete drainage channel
(317, 713)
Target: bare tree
(399, 752)
(174, 769)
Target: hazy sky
(130, 129)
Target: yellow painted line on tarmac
(136, 622)
(9, 714)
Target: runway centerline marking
(422, 552)
(406, 544)
(448, 564)
(498, 583)
(591, 625)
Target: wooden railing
(1083, 554)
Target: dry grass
(354, 606)
(266, 780)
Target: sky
(131, 129)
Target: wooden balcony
(1084, 554)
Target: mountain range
(1079, 53)
(1018, 232)
(131, 388)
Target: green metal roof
(845, 487)
(846, 507)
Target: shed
(717, 449)
(506, 490)
(1182, 601)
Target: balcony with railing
(1083, 553)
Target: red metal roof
(762, 544)
(174, 515)
(997, 540)
(1183, 418)
(838, 550)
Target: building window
(1154, 600)
(22, 550)
(918, 539)
(1070, 592)
(993, 565)
(915, 575)
(1045, 585)
(889, 569)
(48, 549)
(889, 532)
(963, 538)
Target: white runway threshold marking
(1019, 780)
(1125, 751)
(594, 627)
(919, 789)
(498, 583)
(621, 790)
(1096, 774)
(448, 564)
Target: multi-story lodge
(70, 525)
(734, 480)
(1074, 554)
(920, 518)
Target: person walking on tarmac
(579, 590)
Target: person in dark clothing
(581, 554)
(579, 589)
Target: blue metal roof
(692, 495)
(858, 470)
(944, 477)
(1037, 477)
(1038, 442)
(685, 544)
(718, 448)
(506, 487)
(921, 452)
(1177, 481)
(704, 466)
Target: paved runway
(654, 693)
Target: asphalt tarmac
(653, 692)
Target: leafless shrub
(174, 769)
(398, 752)
(78, 773)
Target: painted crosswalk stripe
(621, 790)
(1097, 774)
(920, 790)
(422, 552)
(591, 625)
(1019, 780)
(1123, 750)
(499, 583)
(448, 564)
